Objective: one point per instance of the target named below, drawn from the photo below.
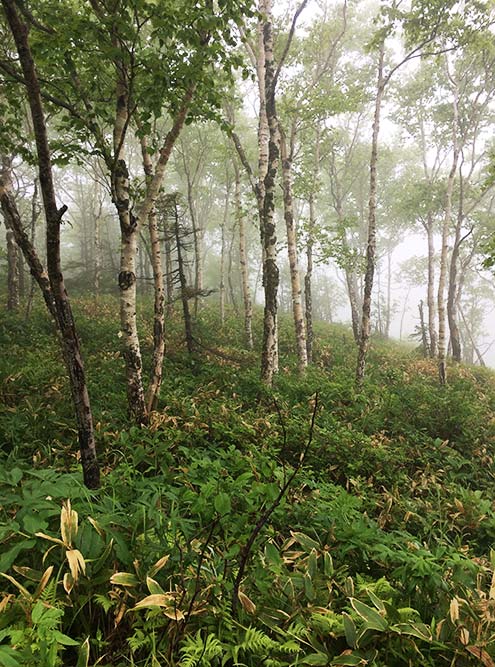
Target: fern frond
(197, 652)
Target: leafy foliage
(378, 554)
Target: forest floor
(194, 552)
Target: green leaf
(222, 503)
(305, 541)
(350, 630)
(9, 557)
(124, 579)
(351, 660)
(328, 564)
(372, 618)
(419, 630)
(376, 601)
(64, 639)
(316, 659)
(37, 612)
(7, 657)
(272, 554)
(154, 587)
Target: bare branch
(288, 42)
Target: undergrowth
(379, 552)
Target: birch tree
(107, 45)
(56, 294)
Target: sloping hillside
(310, 525)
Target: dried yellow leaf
(247, 604)
(464, 636)
(454, 610)
(45, 578)
(5, 601)
(68, 582)
(68, 523)
(76, 562)
(158, 565)
(155, 600)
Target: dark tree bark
(184, 292)
(63, 312)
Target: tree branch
(288, 43)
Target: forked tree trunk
(63, 312)
(269, 354)
(295, 278)
(246, 295)
(365, 331)
(129, 232)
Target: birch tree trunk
(129, 230)
(365, 331)
(308, 293)
(246, 295)
(12, 272)
(424, 338)
(97, 258)
(442, 343)
(222, 253)
(295, 279)
(158, 294)
(169, 281)
(455, 336)
(63, 312)
(269, 354)
(388, 314)
(222, 272)
(431, 288)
